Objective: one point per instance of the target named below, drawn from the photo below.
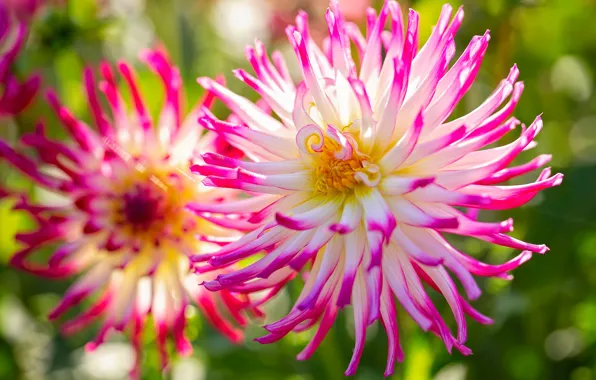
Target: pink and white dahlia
(123, 222)
(362, 174)
(14, 95)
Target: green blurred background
(545, 320)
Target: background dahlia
(121, 224)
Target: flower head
(123, 222)
(14, 95)
(361, 176)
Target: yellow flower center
(333, 174)
(149, 204)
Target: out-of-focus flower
(361, 176)
(123, 222)
(14, 95)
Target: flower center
(333, 174)
(149, 205)
(338, 164)
(340, 167)
(143, 206)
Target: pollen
(333, 174)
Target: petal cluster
(121, 223)
(362, 173)
(14, 95)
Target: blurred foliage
(545, 320)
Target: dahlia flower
(362, 174)
(14, 96)
(122, 222)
